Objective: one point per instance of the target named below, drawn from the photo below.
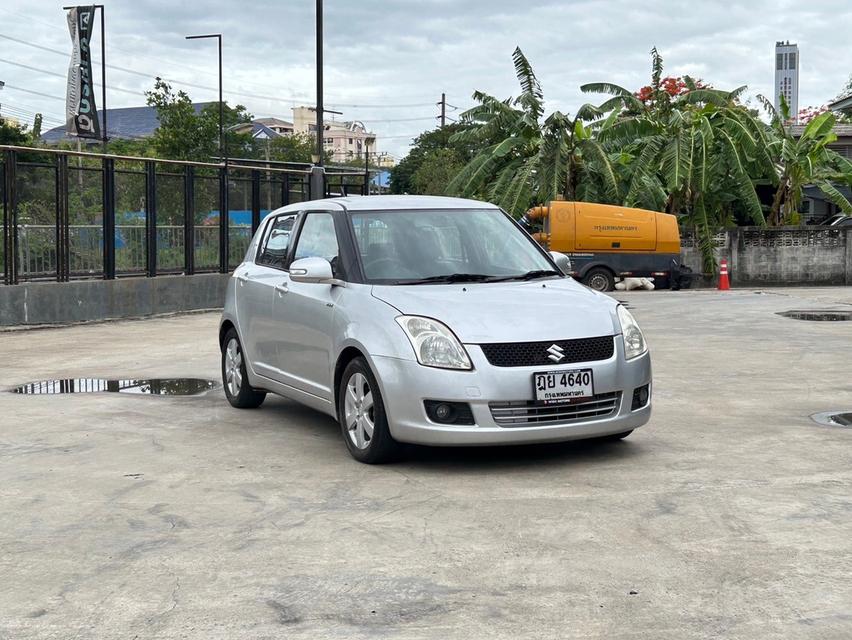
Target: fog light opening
(448, 412)
(443, 412)
(641, 395)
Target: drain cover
(153, 386)
(833, 418)
(818, 315)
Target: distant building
(385, 161)
(128, 123)
(843, 106)
(787, 65)
(281, 127)
(815, 205)
(343, 140)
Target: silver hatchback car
(428, 320)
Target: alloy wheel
(359, 411)
(233, 367)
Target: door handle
(242, 277)
(282, 288)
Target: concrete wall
(38, 303)
(780, 256)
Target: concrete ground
(728, 516)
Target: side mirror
(313, 270)
(562, 261)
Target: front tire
(234, 377)
(600, 279)
(362, 417)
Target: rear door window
(276, 242)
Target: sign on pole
(81, 114)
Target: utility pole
(443, 115)
(320, 105)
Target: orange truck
(606, 242)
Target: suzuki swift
(436, 321)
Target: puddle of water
(152, 386)
(818, 315)
(833, 418)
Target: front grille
(525, 413)
(530, 354)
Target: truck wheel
(600, 279)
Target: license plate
(561, 386)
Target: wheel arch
(226, 326)
(347, 355)
(595, 265)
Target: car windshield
(453, 245)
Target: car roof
(388, 203)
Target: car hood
(553, 309)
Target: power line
(60, 75)
(35, 93)
(242, 94)
(29, 115)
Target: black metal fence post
(109, 218)
(224, 215)
(255, 200)
(151, 218)
(189, 221)
(285, 190)
(63, 230)
(10, 218)
(318, 184)
(5, 205)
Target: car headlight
(434, 344)
(634, 341)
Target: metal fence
(69, 214)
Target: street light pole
(222, 150)
(320, 105)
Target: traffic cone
(724, 284)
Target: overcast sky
(387, 61)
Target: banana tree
(692, 153)
(804, 160)
(525, 158)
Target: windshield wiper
(449, 278)
(529, 275)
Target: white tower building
(787, 65)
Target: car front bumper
(406, 384)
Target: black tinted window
(276, 243)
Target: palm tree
(802, 161)
(524, 158)
(693, 151)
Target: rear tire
(600, 279)
(234, 377)
(362, 417)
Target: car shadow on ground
(462, 459)
(518, 457)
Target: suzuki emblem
(556, 353)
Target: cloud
(385, 53)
